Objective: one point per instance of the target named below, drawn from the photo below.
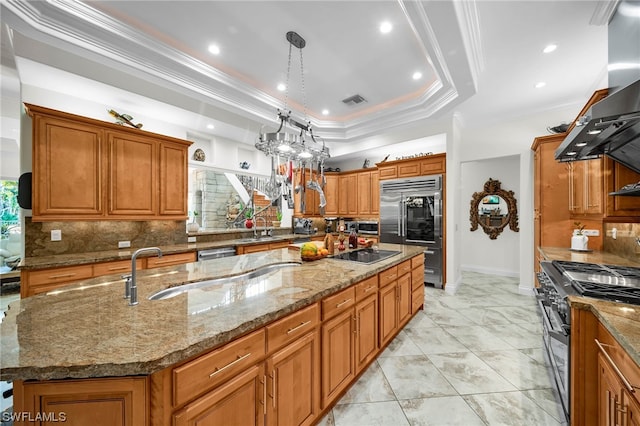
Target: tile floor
(473, 358)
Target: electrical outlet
(124, 244)
(191, 239)
(591, 232)
(56, 235)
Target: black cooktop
(367, 255)
(610, 282)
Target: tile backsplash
(90, 236)
(624, 244)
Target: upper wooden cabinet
(420, 166)
(368, 192)
(331, 192)
(86, 169)
(586, 187)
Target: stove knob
(563, 309)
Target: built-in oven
(369, 227)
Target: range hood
(610, 127)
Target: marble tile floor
(472, 358)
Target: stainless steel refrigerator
(411, 213)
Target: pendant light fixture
(294, 140)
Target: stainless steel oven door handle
(400, 213)
(555, 334)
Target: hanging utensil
(303, 195)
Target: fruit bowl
(314, 257)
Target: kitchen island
(88, 332)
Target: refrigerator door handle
(400, 218)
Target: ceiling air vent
(354, 100)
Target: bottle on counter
(353, 239)
(329, 243)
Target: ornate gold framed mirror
(493, 209)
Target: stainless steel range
(560, 279)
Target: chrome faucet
(130, 286)
(255, 228)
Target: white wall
(480, 253)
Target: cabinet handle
(264, 394)
(358, 333)
(118, 268)
(621, 413)
(302, 324)
(626, 383)
(366, 290)
(608, 409)
(240, 358)
(429, 252)
(355, 324)
(343, 302)
(273, 388)
(72, 274)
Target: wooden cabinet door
(293, 382)
(633, 409)
(352, 191)
(100, 402)
(594, 183)
(171, 259)
(331, 193)
(375, 193)
(366, 346)
(404, 299)
(343, 195)
(609, 387)
(388, 313)
(241, 401)
(617, 176)
(133, 182)
(338, 357)
(576, 187)
(68, 165)
(364, 193)
(173, 180)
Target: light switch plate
(591, 232)
(191, 239)
(124, 244)
(56, 235)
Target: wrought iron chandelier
(299, 142)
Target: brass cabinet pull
(273, 388)
(291, 330)
(355, 325)
(368, 288)
(625, 382)
(240, 358)
(118, 268)
(343, 302)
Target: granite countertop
(595, 256)
(59, 260)
(88, 329)
(620, 319)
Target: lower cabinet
(95, 402)
(255, 248)
(241, 401)
(293, 383)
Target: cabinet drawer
(389, 172)
(278, 245)
(433, 165)
(366, 288)
(118, 267)
(208, 371)
(404, 268)
(417, 278)
(417, 261)
(388, 276)
(292, 327)
(338, 302)
(170, 259)
(406, 170)
(60, 275)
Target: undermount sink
(257, 239)
(170, 292)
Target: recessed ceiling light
(550, 48)
(282, 87)
(571, 153)
(594, 132)
(417, 75)
(325, 112)
(214, 49)
(210, 126)
(540, 84)
(386, 27)
(581, 144)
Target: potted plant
(248, 214)
(579, 240)
(276, 223)
(193, 226)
